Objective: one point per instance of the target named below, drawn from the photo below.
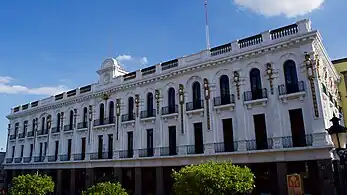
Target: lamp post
(338, 137)
(236, 79)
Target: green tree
(32, 184)
(105, 188)
(222, 178)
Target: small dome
(109, 63)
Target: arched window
(48, 121)
(255, 84)
(224, 89)
(131, 108)
(196, 95)
(85, 116)
(290, 76)
(171, 100)
(33, 125)
(43, 121)
(101, 113)
(150, 104)
(71, 120)
(58, 121)
(111, 112)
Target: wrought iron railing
(81, 156)
(9, 160)
(82, 125)
(26, 159)
(255, 94)
(291, 88)
(225, 147)
(148, 152)
(168, 151)
(195, 105)
(169, 110)
(52, 158)
(64, 157)
(68, 127)
(128, 117)
(126, 154)
(31, 134)
(39, 158)
(290, 142)
(148, 113)
(55, 130)
(21, 135)
(18, 160)
(12, 137)
(224, 100)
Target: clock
(106, 78)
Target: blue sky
(49, 46)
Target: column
(159, 180)
(281, 178)
(138, 182)
(326, 177)
(72, 181)
(59, 181)
(118, 174)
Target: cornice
(163, 76)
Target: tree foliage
(222, 178)
(32, 184)
(105, 188)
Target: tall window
(48, 121)
(16, 128)
(101, 113)
(171, 100)
(25, 127)
(224, 89)
(71, 120)
(255, 83)
(43, 121)
(58, 121)
(196, 95)
(130, 107)
(111, 112)
(33, 125)
(85, 115)
(291, 78)
(150, 104)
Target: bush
(105, 188)
(32, 184)
(222, 178)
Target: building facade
(341, 67)
(263, 101)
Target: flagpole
(207, 27)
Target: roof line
(337, 61)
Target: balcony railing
(169, 110)
(42, 132)
(291, 88)
(168, 151)
(81, 156)
(64, 157)
(21, 135)
(52, 158)
(68, 127)
(148, 152)
(9, 160)
(18, 160)
(12, 137)
(148, 113)
(192, 149)
(31, 134)
(39, 158)
(224, 100)
(290, 142)
(105, 121)
(82, 125)
(55, 130)
(27, 159)
(255, 94)
(254, 145)
(199, 104)
(225, 147)
(128, 117)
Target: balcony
(39, 158)
(148, 152)
(55, 130)
(128, 117)
(101, 155)
(82, 125)
(81, 156)
(193, 149)
(196, 105)
(225, 147)
(169, 110)
(291, 91)
(126, 154)
(12, 137)
(168, 151)
(52, 158)
(255, 97)
(9, 160)
(224, 102)
(105, 121)
(148, 115)
(68, 127)
(31, 134)
(27, 159)
(64, 157)
(42, 132)
(290, 142)
(18, 160)
(21, 135)
(258, 145)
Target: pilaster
(138, 181)
(72, 181)
(281, 178)
(59, 181)
(159, 181)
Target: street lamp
(338, 137)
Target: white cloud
(289, 8)
(6, 87)
(128, 59)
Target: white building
(263, 101)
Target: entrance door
(149, 142)
(110, 146)
(297, 128)
(130, 144)
(228, 135)
(100, 147)
(199, 141)
(260, 131)
(172, 140)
